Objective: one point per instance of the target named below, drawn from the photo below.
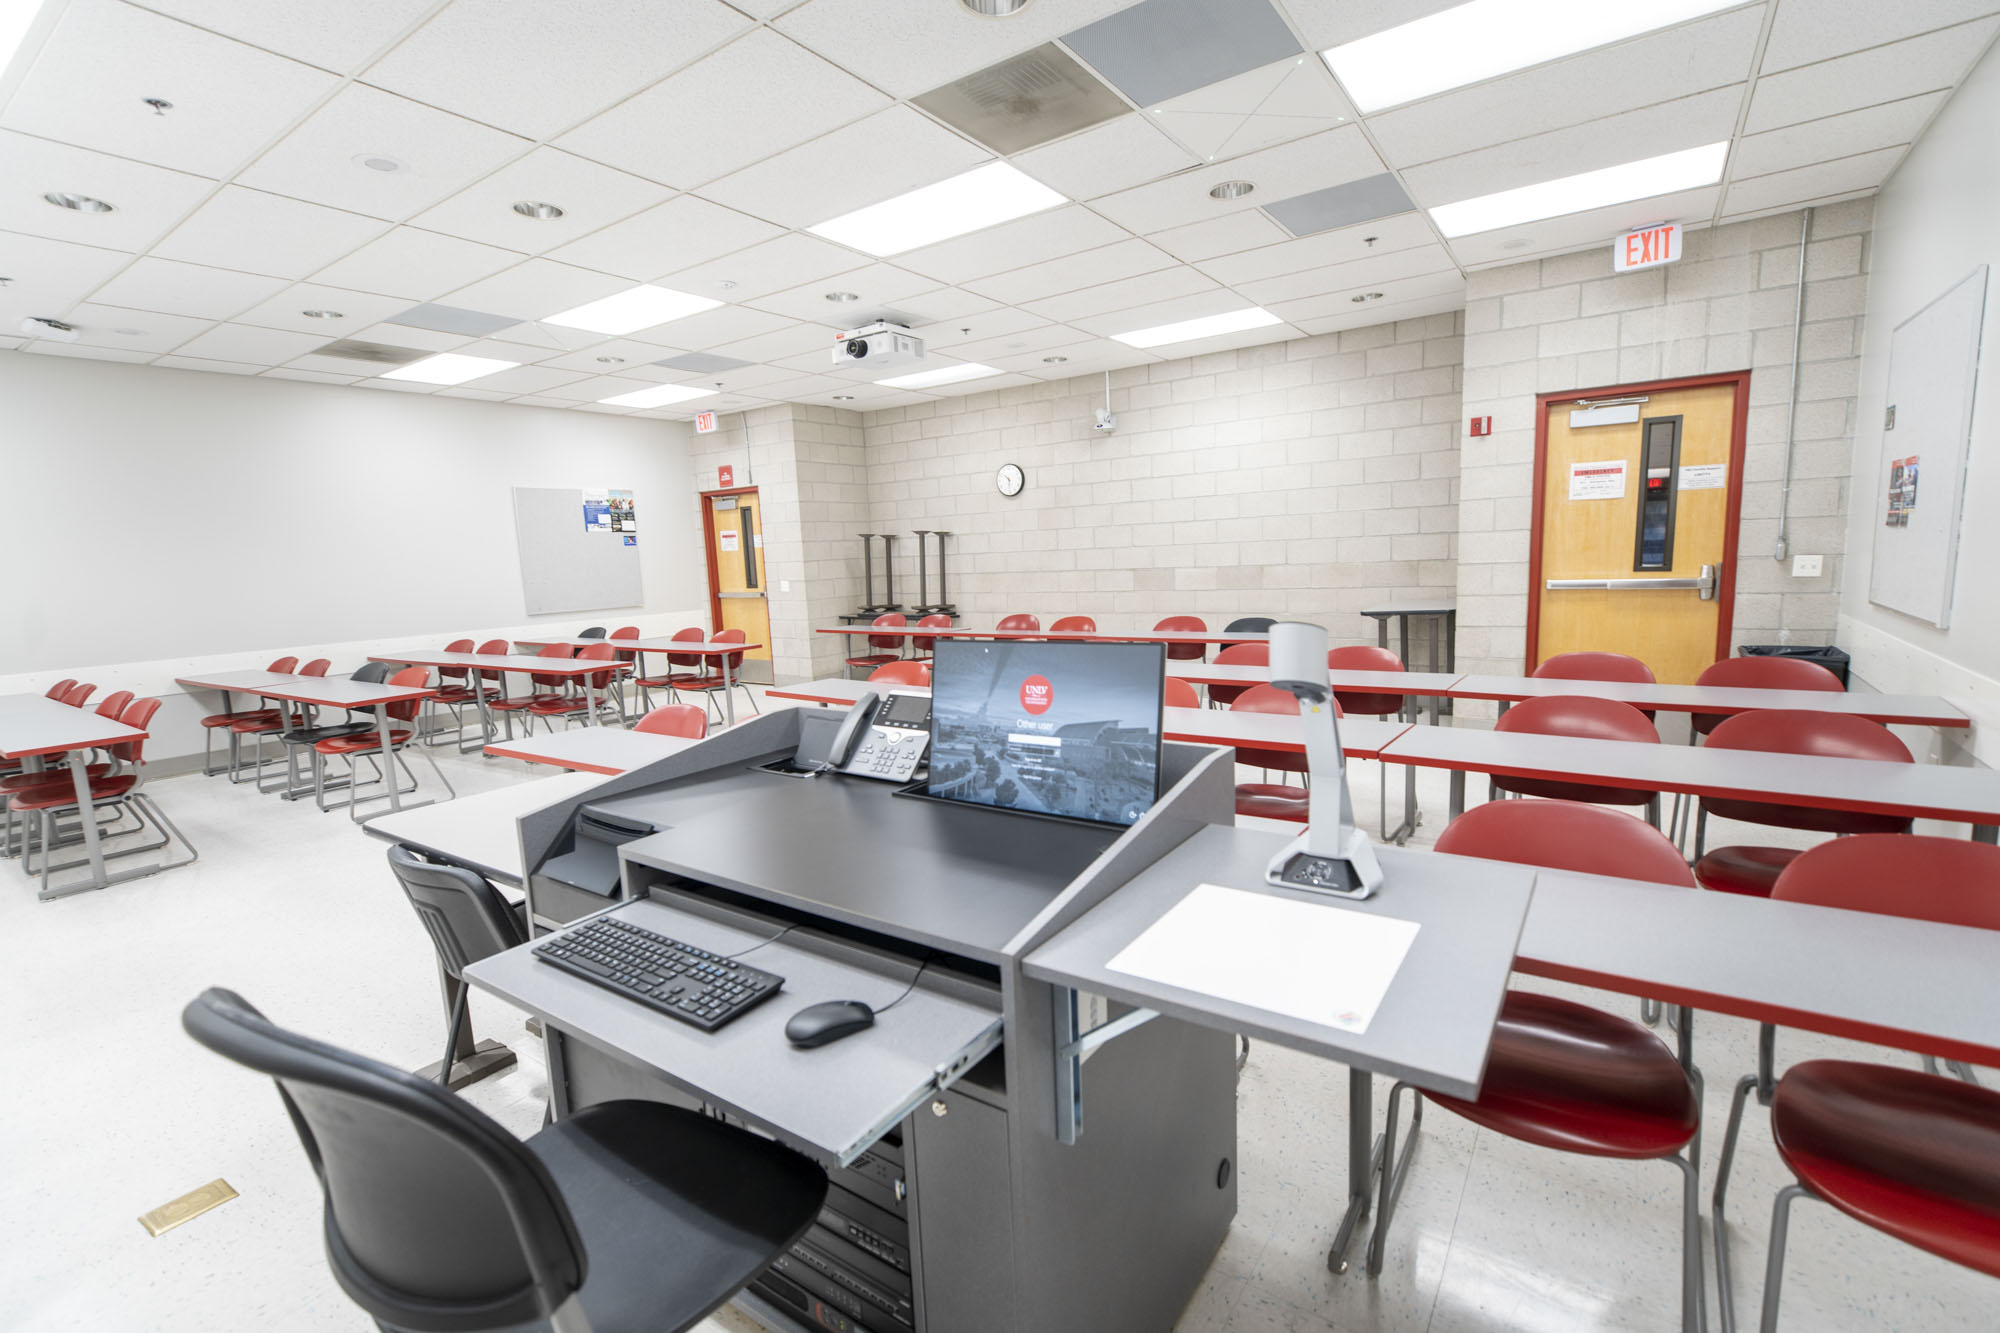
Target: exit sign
(704, 423)
(1649, 247)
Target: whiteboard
(564, 567)
(1918, 489)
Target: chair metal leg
(1394, 1168)
(451, 1032)
(1744, 1086)
(1694, 1306)
(1774, 1266)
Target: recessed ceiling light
(842, 298)
(636, 308)
(924, 379)
(658, 396)
(1686, 170)
(1231, 190)
(161, 106)
(1489, 37)
(322, 314)
(612, 360)
(448, 368)
(534, 208)
(81, 203)
(843, 398)
(995, 9)
(982, 197)
(1360, 297)
(130, 333)
(377, 162)
(1054, 360)
(726, 284)
(1256, 317)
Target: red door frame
(1725, 593)
(708, 549)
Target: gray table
(506, 664)
(1441, 612)
(479, 832)
(1917, 710)
(606, 750)
(34, 729)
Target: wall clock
(1010, 479)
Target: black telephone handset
(852, 728)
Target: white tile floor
(113, 1111)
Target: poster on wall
(1597, 481)
(624, 514)
(596, 511)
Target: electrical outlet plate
(1806, 566)
(784, 585)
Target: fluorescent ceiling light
(16, 17)
(926, 379)
(1256, 317)
(657, 396)
(982, 197)
(640, 308)
(448, 368)
(1688, 169)
(1487, 37)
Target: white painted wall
(165, 521)
(1934, 222)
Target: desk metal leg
(1457, 793)
(79, 776)
(1986, 832)
(1364, 1159)
(728, 692)
(388, 757)
(471, 1058)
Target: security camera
(52, 329)
(1105, 421)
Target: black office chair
(628, 1215)
(303, 739)
(594, 632)
(1249, 625)
(467, 919)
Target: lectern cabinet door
(966, 1235)
(1634, 538)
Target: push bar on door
(1705, 584)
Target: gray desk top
(1434, 1025)
(592, 749)
(1921, 791)
(326, 691)
(834, 1100)
(479, 832)
(547, 666)
(1374, 682)
(1416, 606)
(32, 724)
(702, 647)
(1170, 636)
(1914, 709)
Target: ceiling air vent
(1030, 99)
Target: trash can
(1833, 659)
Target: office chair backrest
(731, 636)
(1180, 694)
(317, 667)
(284, 666)
(1579, 715)
(113, 704)
(408, 677)
(1594, 666)
(924, 645)
(60, 688)
(79, 694)
(437, 1219)
(1018, 622)
(1565, 835)
(675, 720)
(901, 673)
(1801, 731)
(493, 648)
(888, 620)
(1249, 625)
(1268, 699)
(1952, 880)
(1762, 673)
(626, 632)
(594, 632)
(371, 673)
(692, 634)
(1359, 657)
(1079, 624)
(1184, 652)
(467, 918)
(138, 713)
(598, 652)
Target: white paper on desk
(1320, 962)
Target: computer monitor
(1066, 729)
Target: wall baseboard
(1895, 666)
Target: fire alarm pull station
(1659, 473)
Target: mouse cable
(760, 943)
(912, 986)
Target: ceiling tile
(402, 335)
(1686, 122)
(1114, 156)
(1328, 23)
(134, 330)
(1861, 131)
(1124, 259)
(880, 286)
(1168, 309)
(1027, 346)
(712, 328)
(339, 37)
(1226, 235)
(1329, 158)
(210, 365)
(889, 153)
(793, 340)
(321, 160)
(286, 310)
(1078, 306)
(1161, 49)
(1804, 185)
(147, 200)
(535, 289)
(265, 233)
(416, 264)
(175, 288)
(671, 236)
(1029, 240)
(1349, 278)
(1386, 313)
(946, 303)
(593, 387)
(477, 395)
(1370, 199)
(530, 379)
(241, 342)
(309, 376)
(492, 59)
(449, 319)
(83, 352)
(1330, 247)
(590, 195)
(1809, 30)
(729, 94)
(814, 388)
(996, 322)
(1092, 358)
(1552, 236)
(1287, 100)
(789, 261)
(910, 46)
(1883, 74)
(1678, 62)
(47, 277)
(229, 99)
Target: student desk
(722, 652)
(323, 692)
(605, 750)
(1911, 709)
(1434, 685)
(1442, 613)
(36, 729)
(507, 664)
(1165, 636)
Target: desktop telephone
(882, 736)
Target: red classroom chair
(1181, 694)
(55, 767)
(1561, 1074)
(1019, 622)
(901, 673)
(703, 666)
(578, 703)
(1594, 666)
(888, 647)
(923, 645)
(1762, 673)
(368, 744)
(78, 694)
(675, 720)
(215, 722)
(60, 688)
(1270, 800)
(1185, 652)
(708, 685)
(1592, 719)
(1238, 654)
(1912, 1154)
(1076, 624)
(550, 688)
(117, 785)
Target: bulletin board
(572, 558)
(1918, 490)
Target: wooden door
(1634, 539)
(736, 568)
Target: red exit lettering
(1648, 247)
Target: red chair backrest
(598, 652)
(79, 694)
(113, 704)
(1268, 699)
(902, 673)
(552, 650)
(1364, 658)
(1238, 654)
(1563, 835)
(408, 676)
(1185, 652)
(138, 713)
(459, 646)
(626, 632)
(1019, 621)
(894, 619)
(1080, 624)
(316, 667)
(492, 648)
(1952, 880)
(60, 688)
(455, 673)
(675, 720)
(924, 644)
(1578, 715)
(732, 636)
(1594, 666)
(692, 634)
(1796, 731)
(1762, 673)
(1180, 694)
(284, 666)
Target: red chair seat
(229, 719)
(360, 741)
(1911, 1154)
(1574, 791)
(1565, 1075)
(54, 797)
(1752, 871)
(557, 707)
(1271, 800)
(873, 659)
(252, 726)
(50, 777)
(459, 694)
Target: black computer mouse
(818, 1024)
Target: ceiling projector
(877, 345)
(53, 329)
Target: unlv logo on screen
(1037, 694)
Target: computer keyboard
(693, 985)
